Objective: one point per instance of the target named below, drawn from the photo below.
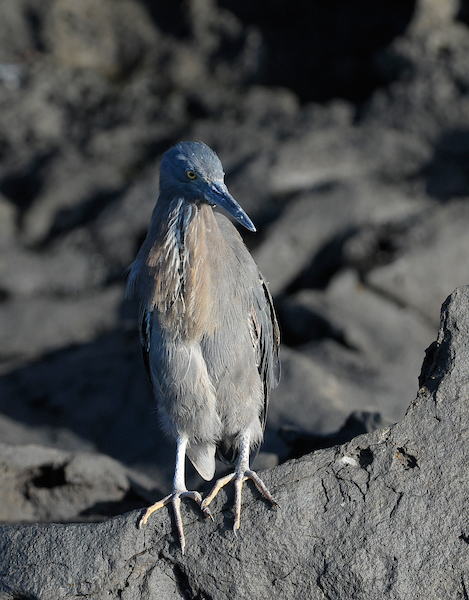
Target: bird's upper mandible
(192, 170)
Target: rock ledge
(383, 516)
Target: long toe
(151, 509)
(260, 486)
(175, 500)
(216, 488)
(239, 478)
(238, 482)
(238, 485)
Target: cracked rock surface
(382, 516)
(343, 128)
(347, 145)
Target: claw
(151, 509)
(175, 500)
(239, 478)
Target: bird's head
(192, 170)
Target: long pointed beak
(217, 193)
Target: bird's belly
(186, 395)
(239, 391)
(204, 391)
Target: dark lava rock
(301, 442)
(435, 249)
(382, 516)
(348, 146)
(43, 484)
(353, 336)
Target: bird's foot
(175, 500)
(239, 477)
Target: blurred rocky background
(343, 127)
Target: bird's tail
(228, 451)
(202, 456)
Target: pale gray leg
(179, 491)
(241, 473)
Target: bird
(208, 329)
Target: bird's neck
(183, 267)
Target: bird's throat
(183, 268)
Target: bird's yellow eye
(191, 174)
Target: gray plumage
(208, 329)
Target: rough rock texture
(343, 127)
(43, 484)
(382, 516)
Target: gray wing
(265, 335)
(145, 324)
(144, 317)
